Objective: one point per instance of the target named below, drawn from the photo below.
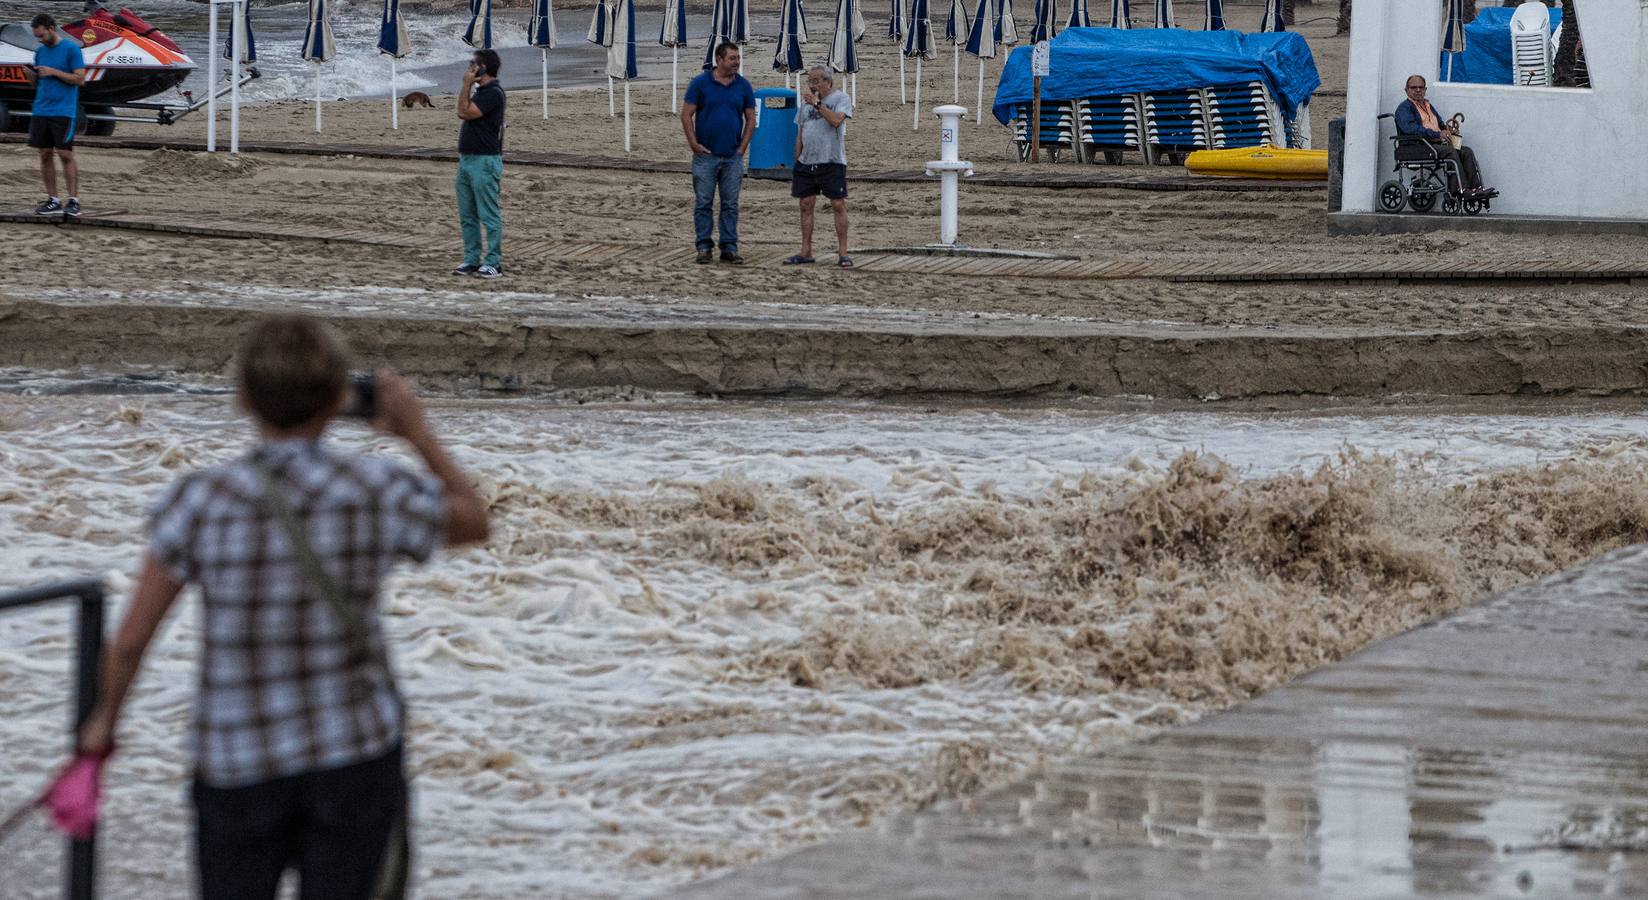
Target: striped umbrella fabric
(719, 10)
(1007, 31)
(787, 57)
(1078, 15)
(600, 25)
(540, 33)
(1047, 22)
(1453, 34)
(859, 25)
(955, 23)
(621, 41)
(1213, 18)
(895, 25)
(479, 32)
(1164, 13)
(392, 37)
(1273, 17)
(1120, 15)
(981, 42)
(843, 53)
(739, 21)
(673, 33)
(243, 18)
(918, 32)
(318, 44)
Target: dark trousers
(1467, 166)
(334, 827)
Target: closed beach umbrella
(981, 42)
(918, 45)
(843, 52)
(1164, 13)
(392, 40)
(787, 57)
(540, 33)
(1453, 34)
(479, 32)
(1007, 30)
(242, 19)
(318, 46)
(600, 33)
(895, 33)
(1214, 17)
(859, 27)
(673, 34)
(719, 10)
(621, 54)
(1078, 15)
(955, 31)
(1273, 17)
(1120, 15)
(739, 20)
(1047, 22)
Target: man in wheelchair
(1423, 136)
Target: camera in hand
(363, 397)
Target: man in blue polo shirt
(58, 72)
(718, 115)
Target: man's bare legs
(71, 172)
(48, 172)
(840, 208)
(807, 204)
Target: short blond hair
(292, 370)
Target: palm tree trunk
(1566, 50)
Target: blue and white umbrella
(1164, 13)
(1213, 19)
(729, 23)
(1047, 22)
(241, 18)
(981, 42)
(621, 53)
(955, 31)
(1453, 34)
(1078, 15)
(1120, 15)
(895, 33)
(600, 33)
(318, 46)
(673, 34)
(392, 40)
(1007, 30)
(843, 49)
(1273, 17)
(859, 26)
(540, 33)
(479, 32)
(792, 34)
(918, 45)
(719, 11)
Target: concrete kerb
(1357, 223)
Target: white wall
(1550, 151)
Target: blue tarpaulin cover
(1486, 58)
(1094, 62)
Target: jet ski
(127, 60)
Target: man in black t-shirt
(481, 165)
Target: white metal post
(949, 167)
(237, 50)
(675, 79)
(915, 124)
(612, 107)
(545, 81)
(955, 73)
(394, 108)
(317, 98)
(980, 116)
(902, 96)
(626, 115)
(211, 78)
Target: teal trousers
(479, 178)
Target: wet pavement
(1497, 753)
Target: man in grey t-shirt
(821, 159)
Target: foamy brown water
(704, 633)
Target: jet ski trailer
(128, 62)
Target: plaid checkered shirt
(281, 690)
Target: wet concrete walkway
(1498, 753)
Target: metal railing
(81, 874)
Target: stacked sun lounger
(1177, 121)
(1110, 126)
(1058, 126)
(1239, 115)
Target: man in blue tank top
(718, 115)
(58, 72)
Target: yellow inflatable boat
(1260, 162)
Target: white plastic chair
(1531, 44)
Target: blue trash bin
(773, 144)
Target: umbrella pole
(612, 109)
(675, 78)
(915, 116)
(626, 115)
(317, 98)
(979, 116)
(902, 96)
(855, 88)
(394, 108)
(955, 73)
(237, 50)
(545, 89)
(211, 78)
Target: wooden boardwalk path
(577, 253)
(1135, 178)
(1496, 753)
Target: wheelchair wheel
(1392, 197)
(1421, 202)
(1473, 207)
(1450, 205)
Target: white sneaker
(488, 272)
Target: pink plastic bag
(73, 797)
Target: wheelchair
(1422, 178)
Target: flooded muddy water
(707, 632)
